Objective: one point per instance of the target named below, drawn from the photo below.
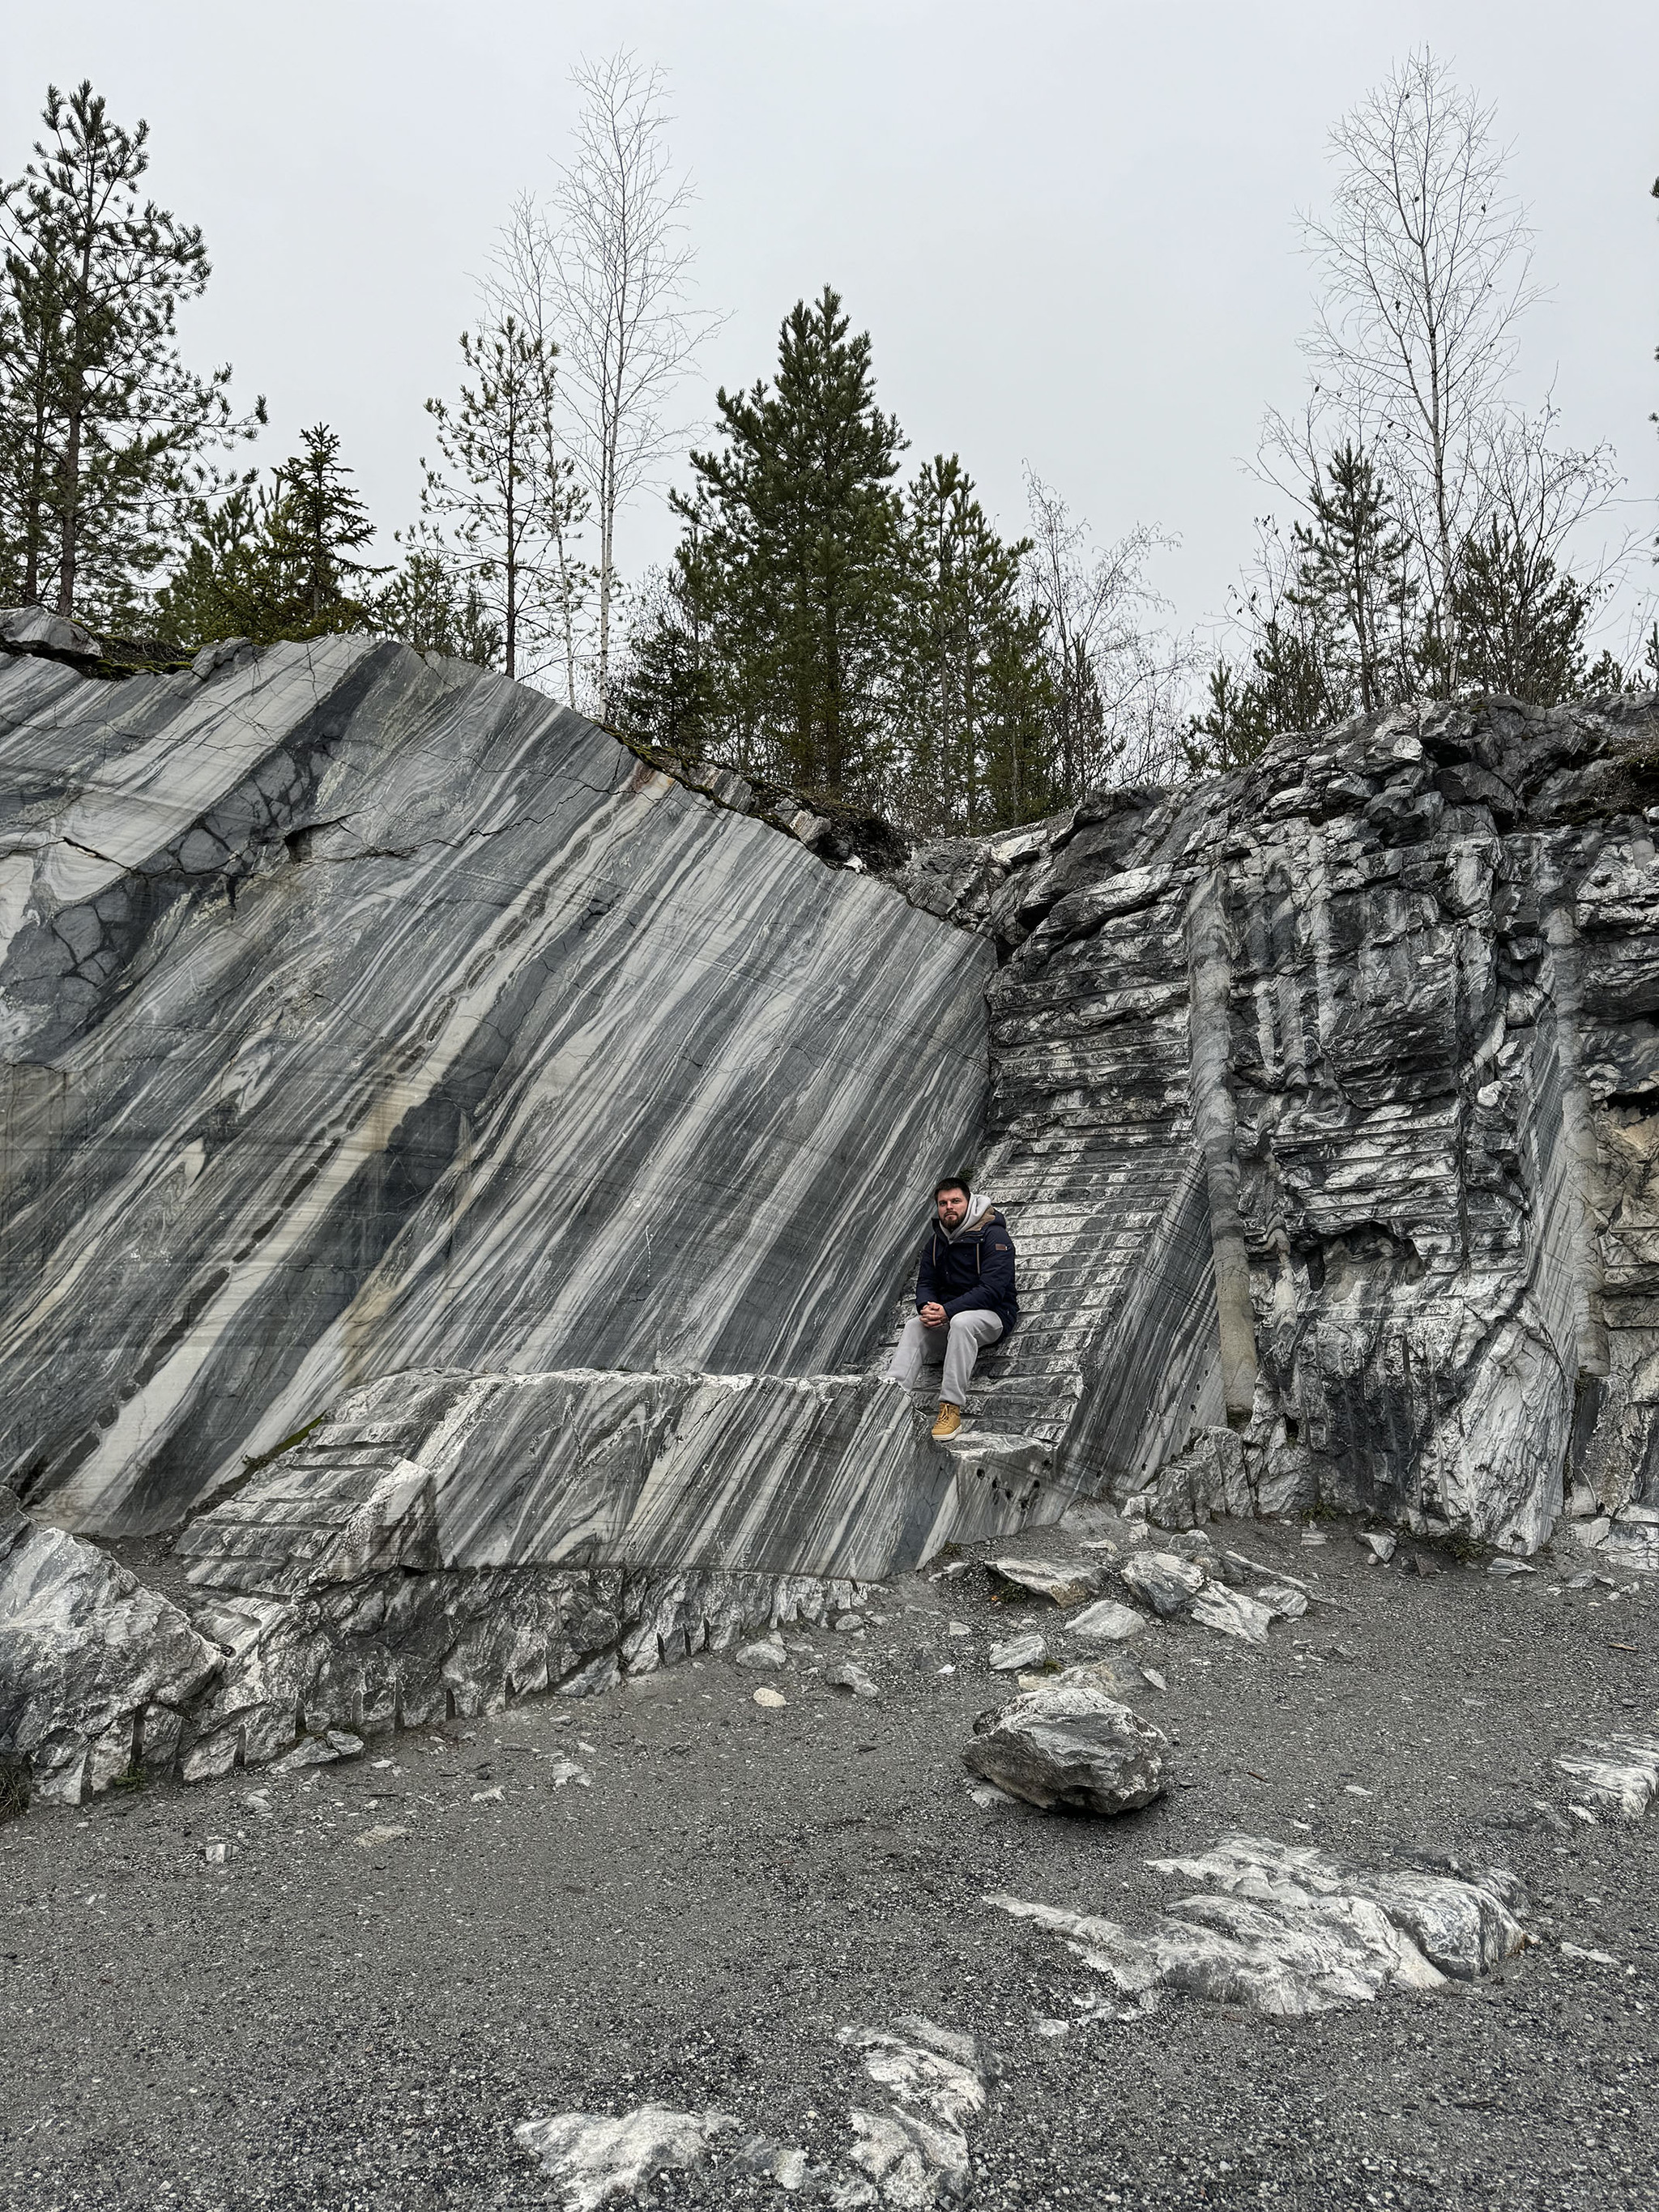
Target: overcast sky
(1069, 228)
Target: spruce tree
(104, 434)
(278, 564)
(975, 690)
(1352, 580)
(1521, 620)
(428, 607)
(1233, 729)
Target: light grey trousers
(955, 1348)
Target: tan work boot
(950, 1418)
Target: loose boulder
(94, 1668)
(1108, 1622)
(1070, 1744)
(1168, 1584)
(1066, 1582)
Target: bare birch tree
(618, 265)
(520, 287)
(1118, 681)
(1426, 261)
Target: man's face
(952, 1204)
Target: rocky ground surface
(347, 1987)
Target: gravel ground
(327, 2020)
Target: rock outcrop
(1286, 1930)
(1323, 1102)
(458, 1174)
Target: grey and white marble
(363, 1015)
(1432, 938)
(1285, 1929)
(444, 1153)
(1070, 1744)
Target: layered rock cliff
(459, 1176)
(1381, 1015)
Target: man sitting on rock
(965, 1296)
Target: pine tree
(976, 691)
(1233, 729)
(425, 606)
(804, 540)
(104, 434)
(501, 511)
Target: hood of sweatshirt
(980, 1209)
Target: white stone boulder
(1070, 1744)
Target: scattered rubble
(1107, 1622)
(848, 1675)
(1019, 1652)
(595, 2158)
(911, 2154)
(1167, 1584)
(1231, 1613)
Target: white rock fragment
(1591, 1958)
(848, 1675)
(1026, 1650)
(560, 1771)
(768, 1652)
(772, 1700)
(1621, 1777)
(1283, 1602)
(1507, 1566)
(1381, 1545)
(319, 1751)
(916, 2151)
(1062, 1583)
(1107, 1622)
(1293, 1933)
(1230, 1613)
(495, 1796)
(369, 1840)
(595, 2158)
(217, 1853)
(957, 1628)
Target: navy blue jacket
(972, 1271)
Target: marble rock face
(1325, 1107)
(459, 1176)
(96, 1671)
(361, 1015)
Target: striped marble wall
(363, 1014)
